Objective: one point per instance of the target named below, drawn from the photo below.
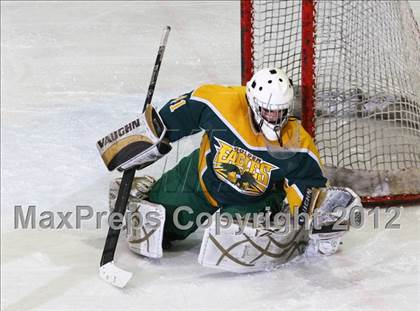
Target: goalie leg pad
(252, 251)
(145, 228)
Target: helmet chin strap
(260, 125)
(278, 136)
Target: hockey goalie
(255, 158)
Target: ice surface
(72, 71)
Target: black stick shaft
(120, 207)
(128, 175)
(156, 68)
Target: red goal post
(356, 70)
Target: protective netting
(367, 86)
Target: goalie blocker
(136, 144)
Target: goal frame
(307, 83)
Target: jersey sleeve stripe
(202, 167)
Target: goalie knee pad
(145, 223)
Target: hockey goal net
(356, 70)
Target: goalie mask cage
(355, 66)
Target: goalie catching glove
(331, 208)
(137, 144)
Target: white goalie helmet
(270, 96)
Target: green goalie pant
(180, 187)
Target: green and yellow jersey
(235, 165)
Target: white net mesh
(367, 86)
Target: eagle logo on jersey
(242, 170)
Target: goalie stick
(108, 270)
